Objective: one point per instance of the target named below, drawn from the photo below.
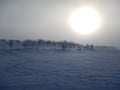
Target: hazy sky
(49, 19)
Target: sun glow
(85, 20)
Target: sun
(85, 20)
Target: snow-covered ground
(58, 70)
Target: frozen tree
(92, 47)
(64, 45)
(87, 47)
(10, 43)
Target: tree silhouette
(10, 43)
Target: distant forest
(41, 44)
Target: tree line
(36, 44)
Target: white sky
(49, 19)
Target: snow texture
(58, 70)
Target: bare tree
(10, 43)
